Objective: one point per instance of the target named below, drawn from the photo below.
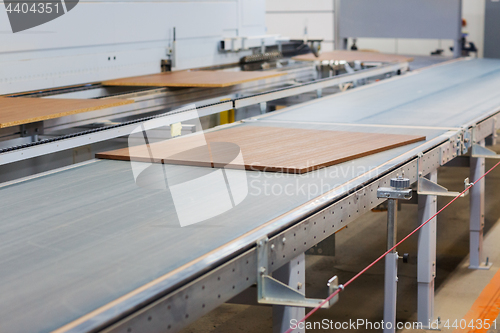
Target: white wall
(289, 17)
(473, 12)
(105, 39)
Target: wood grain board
(201, 78)
(351, 56)
(18, 110)
(273, 149)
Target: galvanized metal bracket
(428, 187)
(479, 151)
(272, 291)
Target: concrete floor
(362, 242)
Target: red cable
(341, 287)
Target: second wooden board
(21, 110)
(273, 149)
(199, 78)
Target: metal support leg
(391, 269)
(426, 256)
(292, 274)
(477, 213)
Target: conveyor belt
(75, 240)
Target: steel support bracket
(428, 187)
(274, 292)
(479, 151)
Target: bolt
(262, 270)
(272, 247)
(284, 240)
(299, 285)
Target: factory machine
(146, 240)
(78, 65)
